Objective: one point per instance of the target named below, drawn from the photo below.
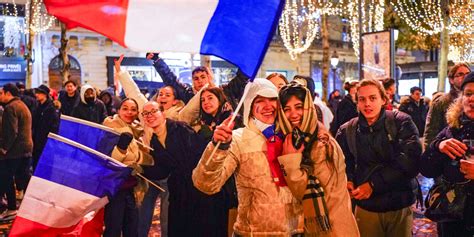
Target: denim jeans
(147, 209)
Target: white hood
(84, 88)
(259, 87)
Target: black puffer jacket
(417, 111)
(45, 120)
(68, 103)
(390, 166)
(346, 110)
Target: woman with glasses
(121, 213)
(177, 149)
(312, 158)
(451, 157)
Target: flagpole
(234, 115)
(96, 125)
(90, 150)
(151, 182)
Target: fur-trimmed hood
(454, 113)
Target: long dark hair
(220, 115)
(126, 99)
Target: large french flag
(70, 182)
(238, 31)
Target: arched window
(55, 66)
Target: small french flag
(70, 183)
(238, 31)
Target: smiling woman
(316, 167)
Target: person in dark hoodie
(106, 97)
(90, 108)
(45, 120)
(69, 97)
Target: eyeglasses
(148, 113)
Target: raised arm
(184, 92)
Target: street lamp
(334, 63)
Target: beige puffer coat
(264, 208)
(332, 175)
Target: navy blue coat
(391, 166)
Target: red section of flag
(107, 17)
(25, 228)
(92, 228)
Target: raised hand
(118, 63)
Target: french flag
(238, 31)
(70, 182)
(93, 135)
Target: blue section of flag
(93, 137)
(241, 30)
(76, 168)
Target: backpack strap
(351, 136)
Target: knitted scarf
(316, 214)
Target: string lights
(40, 21)
(299, 26)
(372, 19)
(425, 16)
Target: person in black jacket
(451, 156)
(90, 108)
(200, 76)
(69, 97)
(416, 107)
(45, 120)
(177, 150)
(346, 109)
(381, 170)
(27, 96)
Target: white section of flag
(56, 205)
(182, 31)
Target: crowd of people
(287, 164)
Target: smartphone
(297, 137)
